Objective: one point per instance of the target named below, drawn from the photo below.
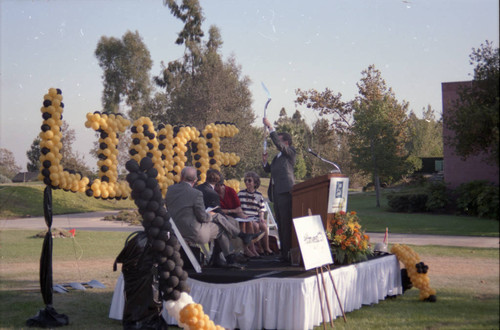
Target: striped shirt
(251, 202)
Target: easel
(318, 270)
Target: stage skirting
(288, 303)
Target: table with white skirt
(287, 303)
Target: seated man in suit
(210, 196)
(185, 205)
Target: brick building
(456, 170)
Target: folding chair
(271, 223)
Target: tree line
(373, 137)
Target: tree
(8, 166)
(33, 155)
(201, 88)
(327, 104)
(475, 119)
(379, 131)
(72, 161)
(426, 135)
(330, 132)
(126, 64)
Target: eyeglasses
(248, 180)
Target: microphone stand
(325, 160)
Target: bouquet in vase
(348, 242)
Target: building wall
(456, 170)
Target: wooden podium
(312, 194)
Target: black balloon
(147, 193)
(153, 232)
(139, 185)
(173, 281)
(169, 251)
(178, 271)
(151, 183)
(164, 235)
(152, 172)
(158, 222)
(142, 204)
(170, 265)
(132, 165)
(146, 163)
(164, 275)
(153, 206)
(183, 286)
(158, 245)
(131, 177)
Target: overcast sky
(286, 44)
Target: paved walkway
(411, 239)
(94, 221)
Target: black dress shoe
(233, 265)
(240, 258)
(231, 262)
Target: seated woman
(230, 205)
(252, 204)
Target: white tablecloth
(288, 303)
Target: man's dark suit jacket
(210, 196)
(281, 168)
(185, 205)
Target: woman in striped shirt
(252, 204)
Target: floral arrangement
(348, 242)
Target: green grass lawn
(376, 219)
(464, 301)
(22, 200)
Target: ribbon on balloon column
(47, 317)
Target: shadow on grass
(85, 309)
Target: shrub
(438, 198)
(478, 198)
(408, 202)
(4, 179)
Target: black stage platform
(266, 266)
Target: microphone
(325, 160)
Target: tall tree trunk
(376, 180)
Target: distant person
(282, 181)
